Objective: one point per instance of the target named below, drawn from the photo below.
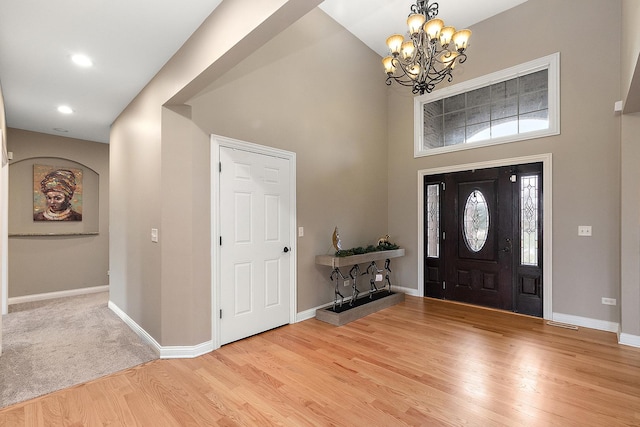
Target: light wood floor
(422, 362)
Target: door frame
(217, 142)
(546, 160)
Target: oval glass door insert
(476, 221)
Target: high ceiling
(129, 41)
(372, 21)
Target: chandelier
(430, 53)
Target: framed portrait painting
(57, 193)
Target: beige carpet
(54, 344)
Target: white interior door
(255, 243)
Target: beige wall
(186, 225)
(630, 209)
(166, 294)
(291, 95)
(586, 156)
(4, 190)
(81, 261)
(283, 96)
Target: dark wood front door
(489, 237)
(479, 236)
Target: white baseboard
(407, 291)
(59, 294)
(164, 352)
(135, 327)
(307, 314)
(585, 322)
(186, 352)
(630, 340)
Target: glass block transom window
(514, 105)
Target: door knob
(286, 249)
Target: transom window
(512, 105)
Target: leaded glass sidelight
(476, 221)
(433, 220)
(529, 220)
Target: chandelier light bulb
(389, 68)
(408, 48)
(461, 39)
(445, 35)
(394, 43)
(414, 71)
(415, 21)
(433, 27)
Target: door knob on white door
(286, 249)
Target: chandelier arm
(403, 77)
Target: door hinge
(444, 186)
(221, 313)
(513, 178)
(220, 240)
(219, 166)
(444, 285)
(444, 235)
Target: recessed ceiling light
(65, 109)
(82, 60)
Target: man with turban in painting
(58, 188)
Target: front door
(479, 237)
(255, 243)
(483, 240)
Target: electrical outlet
(346, 283)
(584, 230)
(608, 301)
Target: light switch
(300, 231)
(154, 235)
(584, 230)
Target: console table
(377, 298)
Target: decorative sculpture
(387, 263)
(384, 240)
(337, 274)
(353, 273)
(337, 244)
(373, 270)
